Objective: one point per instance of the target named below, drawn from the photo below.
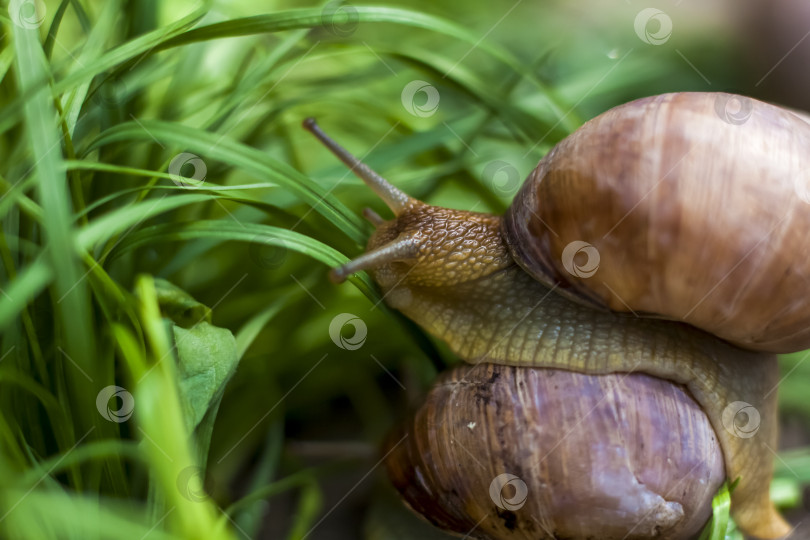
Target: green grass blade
(121, 220)
(31, 281)
(250, 330)
(220, 148)
(95, 450)
(313, 17)
(54, 28)
(228, 230)
(132, 49)
(718, 526)
(71, 295)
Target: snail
(694, 232)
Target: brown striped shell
(691, 206)
(500, 452)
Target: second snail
(605, 396)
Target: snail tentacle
(373, 217)
(396, 199)
(404, 247)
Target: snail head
(423, 245)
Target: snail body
(502, 291)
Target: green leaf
(206, 355)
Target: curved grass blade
(91, 50)
(266, 234)
(228, 192)
(119, 221)
(54, 28)
(30, 282)
(94, 450)
(177, 34)
(59, 421)
(721, 505)
(11, 113)
(226, 150)
(251, 329)
(49, 514)
(292, 481)
(313, 17)
(71, 295)
(247, 232)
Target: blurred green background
(150, 147)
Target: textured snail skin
(463, 287)
(641, 478)
(697, 216)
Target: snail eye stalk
(373, 217)
(396, 199)
(403, 248)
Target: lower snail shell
(506, 453)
